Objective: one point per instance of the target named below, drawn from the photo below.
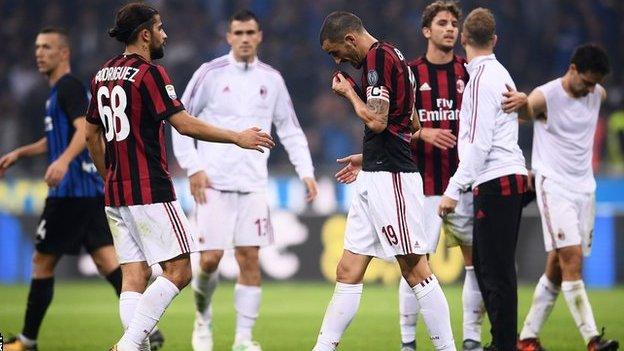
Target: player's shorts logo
(561, 235)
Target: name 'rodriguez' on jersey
(131, 98)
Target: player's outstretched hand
(447, 205)
(311, 188)
(352, 166)
(513, 100)
(340, 85)
(7, 161)
(254, 139)
(55, 172)
(440, 138)
(199, 182)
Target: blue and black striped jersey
(69, 100)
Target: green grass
(83, 316)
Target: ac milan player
(440, 81)
(385, 218)
(131, 99)
(565, 113)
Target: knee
(209, 261)
(348, 275)
(248, 260)
(43, 265)
(570, 266)
(180, 277)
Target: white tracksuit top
(238, 96)
(488, 137)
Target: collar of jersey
(478, 61)
(242, 65)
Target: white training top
(238, 96)
(488, 137)
(563, 143)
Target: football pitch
(84, 316)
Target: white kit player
(565, 111)
(229, 186)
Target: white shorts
(457, 225)
(386, 216)
(567, 216)
(153, 233)
(230, 219)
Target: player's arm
(37, 148)
(57, 169)
(528, 107)
(252, 138)
(477, 147)
(95, 144)
(374, 113)
(294, 140)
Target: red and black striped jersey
(439, 92)
(386, 75)
(130, 99)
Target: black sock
(39, 298)
(114, 278)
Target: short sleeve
(72, 97)
(378, 74)
(93, 114)
(157, 86)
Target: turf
(83, 316)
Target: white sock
(543, 302)
(128, 301)
(473, 306)
(247, 304)
(26, 341)
(204, 285)
(408, 312)
(340, 311)
(578, 304)
(150, 308)
(435, 312)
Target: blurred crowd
(536, 39)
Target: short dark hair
(244, 16)
(480, 27)
(62, 33)
(339, 23)
(591, 58)
(438, 6)
(130, 20)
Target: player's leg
(39, 298)
(166, 239)
(408, 304)
(252, 231)
(433, 305)
(496, 224)
(345, 300)
(544, 297)
(247, 293)
(458, 228)
(472, 304)
(105, 260)
(215, 221)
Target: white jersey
(238, 96)
(488, 137)
(563, 143)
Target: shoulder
(414, 63)
(214, 65)
(270, 72)
(69, 81)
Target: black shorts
(67, 224)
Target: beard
(157, 52)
